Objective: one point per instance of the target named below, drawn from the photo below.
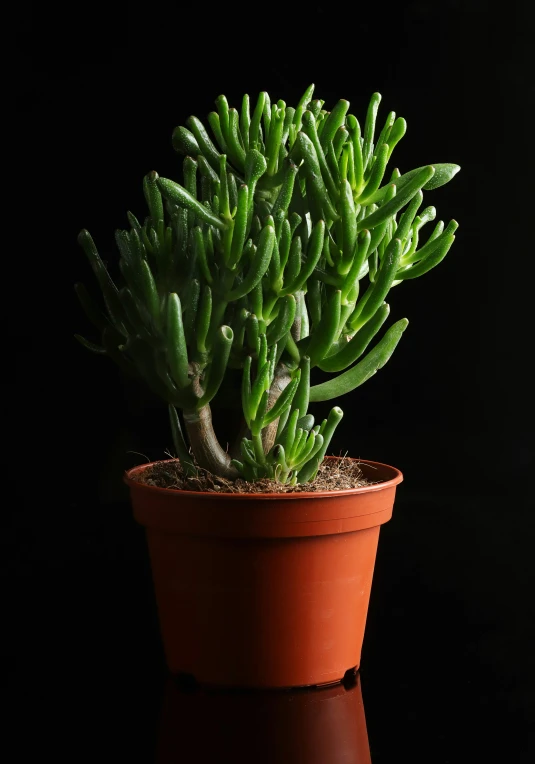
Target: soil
(333, 475)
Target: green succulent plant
(274, 256)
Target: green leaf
(283, 323)
(153, 197)
(377, 291)
(309, 470)
(205, 144)
(334, 121)
(357, 375)
(353, 349)
(442, 175)
(109, 290)
(177, 352)
(284, 401)
(315, 246)
(258, 267)
(218, 367)
(401, 198)
(178, 195)
(326, 332)
(432, 260)
(301, 106)
(184, 142)
(304, 149)
(369, 129)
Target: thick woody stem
(205, 445)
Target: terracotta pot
(316, 726)
(264, 590)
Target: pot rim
(397, 477)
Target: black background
(447, 666)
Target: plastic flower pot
(264, 590)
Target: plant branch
(205, 445)
(280, 381)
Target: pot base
(188, 683)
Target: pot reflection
(302, 726)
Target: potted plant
(271, 259)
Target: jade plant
(273, 257)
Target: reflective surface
(316, 726)
(447, 664)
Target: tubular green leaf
(207, 171)
(221, 352)
(302, 395)
(287, 437)
(239, 233)
(349, 223)
(274, 140)
(109, 290)
(205, 144)
(246, 391)
(327, 331)
(177, 352)
(445, 173)
(431, 245)
(358, 343)
(432, 259)
(354, 132)
(334, 121)
(376, 175)
(405, 222)
(310, 469)
(309, 128)
(315, 246)
(369, 129)
(153, 196)
(301, 106)
(357, 375)
(253, 334)
(385, 132)
(236, 150)
(223, 110)
(178, 195)
(306, 151)
(283, 323)
(399, 128)
(376, 292)
(284, 401)
(259, 264)
(338, 143)
(245, 121)
(190, 307)
(185, 142)
(284, 197)
(254, 138)
(200, 252)
(215, 124)
(189, 169)
(203, 319)
(401, 198)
